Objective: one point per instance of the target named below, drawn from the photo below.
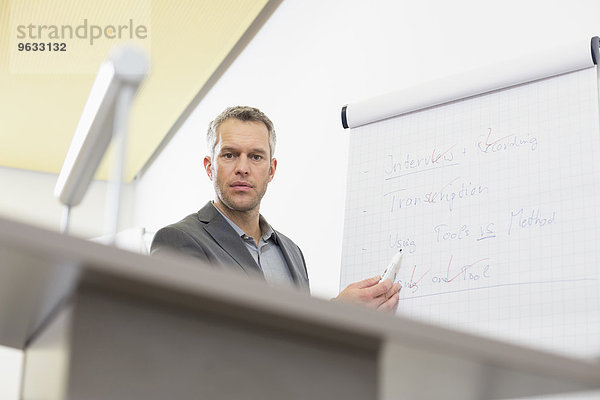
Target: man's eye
(228, 155)
(256, 157)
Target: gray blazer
(208, 236)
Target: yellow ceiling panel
(42, 93)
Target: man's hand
(372, 293)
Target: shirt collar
(265, 229)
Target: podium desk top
(42, 269)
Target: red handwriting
(463, 269)
(432, 196)
(435, 159)
(487, 140)
(414, 283)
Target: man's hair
(242, 113)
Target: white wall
(28, 196)
(11, 361)
(310, 59)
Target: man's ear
(208, 167)
(272, 169)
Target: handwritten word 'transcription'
(448, 194)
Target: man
(230, 232)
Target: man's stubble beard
(229, 202)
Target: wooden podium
(97, 322)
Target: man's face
(241, 167)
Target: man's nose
(242, 165)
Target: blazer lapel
(294, 261)
(226, 237)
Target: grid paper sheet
(495, 203)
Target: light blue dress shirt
(266, 253)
